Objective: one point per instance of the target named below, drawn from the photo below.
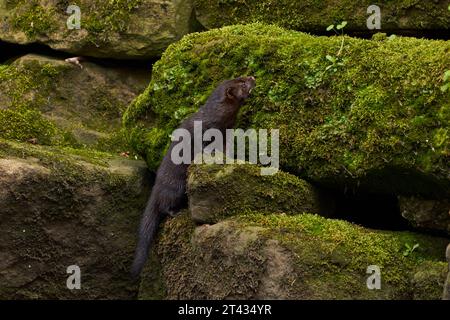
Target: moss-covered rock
(121, 29)
(426, 214)
(428, 280)
(352, 113)
(51, 102)
(261, 256)
(62, 207)
(217, 191)
(402, 16)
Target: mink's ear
(229, 93)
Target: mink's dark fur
(169, 192)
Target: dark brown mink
(169, 192)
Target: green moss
(91, 198)
(371, 120)
(217, 192)
(296, 256)
(315, 16)
(107, 17)
(115, 143)
(19, 81)
(27, 87)
(33, 19)
(50, 155)
(190, 264)
(429, 280)
(342, 250)
(100, 18)
(39, 103)
(77, 167)
(152, 286)
(23, 124)
(106, 111)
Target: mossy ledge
(304, 256)
(61, 207)
(119, 29)
(371, 115)
(315, 16)
(51, 102)
(26, 86)
(217, 192)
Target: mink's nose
(251, 81)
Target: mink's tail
(147, 232)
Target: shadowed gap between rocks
(380, 211)
(11, 51)
(370, 210)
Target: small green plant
(335, 63)
(340, 27)
(409, 249)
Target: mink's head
(239, 89)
